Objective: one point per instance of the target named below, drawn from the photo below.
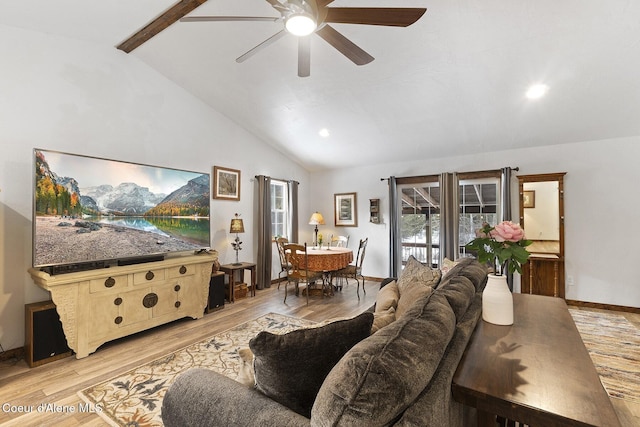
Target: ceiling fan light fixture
(300, 24)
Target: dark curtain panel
(505, 183)
(506, 194)
(263, 267)
(394, 229)
(293, 210)
(449, 216)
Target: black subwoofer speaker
(44, 337)
(216, 292)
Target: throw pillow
(387, 297)
(411, 294)
(447, 265)
(415, 271)
(290, 368)
(382, 319)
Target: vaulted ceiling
(451, 83)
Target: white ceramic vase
(497, 301)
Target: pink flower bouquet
(503, 245)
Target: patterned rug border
(613, 343)
(143, 419)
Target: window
(279, 209)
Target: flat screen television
(90, 212)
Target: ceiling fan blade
(387, 16)
(304, 56)
(344, 45)
(229, 18)
(323, 3)
(163, 21)
(277, 5)
(277, 36)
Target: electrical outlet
(570, 281)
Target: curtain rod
(387, 179)
(277, 179)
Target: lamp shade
(237, 226)
(316, 219)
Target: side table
(231, 269)
(537, 371)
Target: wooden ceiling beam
(427, 197)
(171, 15)
(410, 202)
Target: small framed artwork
(529, 199)
(346, 212)
(226, 183)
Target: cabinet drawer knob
(176, 288)
(149, 275)
(183, 269)
(118, 320)
(117, 301)
(150, 300)
(177, 304)
(110, 282)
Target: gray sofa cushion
(290, 368)
(382, 375)
(469, 268)
(459, 292)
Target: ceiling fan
(305, 17)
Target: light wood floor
(57, 382)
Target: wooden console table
(537, 371)
(97, 306)
(230, 270)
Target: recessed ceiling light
(324, 132)
(537, 91)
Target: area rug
(135, 397)
(614, 346)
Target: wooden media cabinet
(101, 305)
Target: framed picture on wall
(529, 199)
(226, 183)
(346, 212)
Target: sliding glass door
(420, 222)
(479, 201)
(423, 217)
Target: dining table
(328, 260)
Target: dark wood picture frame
(529, 199)
(345, 209)
(226, 183)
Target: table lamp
(236, 227)
(316, 219)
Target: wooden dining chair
(284, 263)
(296, 255)
(354, 271)
(340, 241)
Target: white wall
(600, 208)
(63, 94)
